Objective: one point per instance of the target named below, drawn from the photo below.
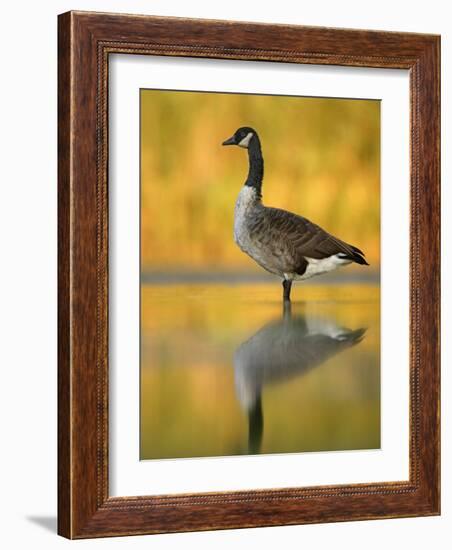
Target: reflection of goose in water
(280, 350)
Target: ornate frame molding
(85, 42)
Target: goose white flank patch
(281, 242)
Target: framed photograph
(248, 275)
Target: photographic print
(260, 274)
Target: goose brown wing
(301, 239)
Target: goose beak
(230, 141)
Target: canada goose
(283, 349)
(281, 242)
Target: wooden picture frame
(85, 42)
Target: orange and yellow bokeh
(322, 160)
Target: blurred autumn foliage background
(322, 160)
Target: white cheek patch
(246, 140)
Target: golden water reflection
(225, 370)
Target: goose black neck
(255, 427)
(256, 165)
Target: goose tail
(359, 258)
(356, 255)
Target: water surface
(227, 370)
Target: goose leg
(287, 285)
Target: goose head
(242, 137)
